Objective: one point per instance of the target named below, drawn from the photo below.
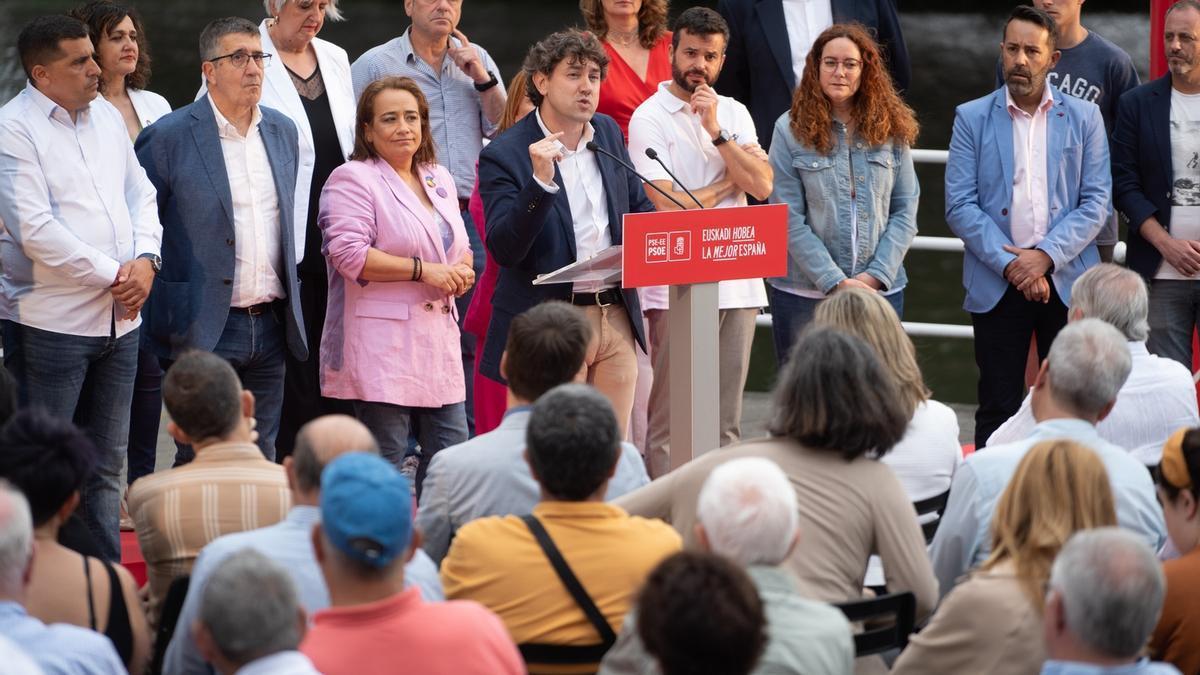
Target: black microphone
(591, 145)
(652, 154)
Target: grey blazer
(488, 476)
(190, 301)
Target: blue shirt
(1143, 667)
(60, 649)
(288, 543)
(456, 116)
(963, 538)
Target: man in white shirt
(225, 170)
(79, 252)
(710, 144)
(1158, 398)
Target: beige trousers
(612, 359)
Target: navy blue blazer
(530, 231)
(758, 63)
(1141, 167)
(190, 301)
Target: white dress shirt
(585, 193)
(1030, 217)
(258, 257)
(805, 19)
(1158, 399)
(280, 663)
(75, 205)
(664, 122)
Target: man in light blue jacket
(1027, 189)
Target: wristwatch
(155, 261)
(492, 81)
(721, 139)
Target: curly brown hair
(426, 153)
(877, 111)
(101, 17)
(652, 20)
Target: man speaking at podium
(708, 142)
(550, 200)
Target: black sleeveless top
(118, 629)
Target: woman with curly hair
(635, 35)
(843, 166)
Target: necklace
(622, 38)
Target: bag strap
(568, 578)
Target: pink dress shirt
(389, 342)
(1030, 202)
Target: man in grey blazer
(225, 171)
(488, 475)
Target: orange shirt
(623, 91)
(1177, 635)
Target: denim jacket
(816, 188)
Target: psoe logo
(656, 247)
(681, 246)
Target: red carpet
(131, 557)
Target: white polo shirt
(665, 123)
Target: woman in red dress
(635, 35)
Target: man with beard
(550, 200)
(1027, 190)
(1156, 178)
(709, 142)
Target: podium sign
(701, 246)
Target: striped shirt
(229, 487)
(455, 114)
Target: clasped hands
(1028, 273)
(132, 286)
(455, 279)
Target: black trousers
(1001, 351)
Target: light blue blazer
(979, 180)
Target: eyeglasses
(240, 59)
(849, 65)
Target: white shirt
(585, 193)
(805, 19)
(1158, 399)
(258, 256)
(1185, 179)
(280, 663)
(1030, 217)
(75, 204)
(665, 123)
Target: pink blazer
(390, 342)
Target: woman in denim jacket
(843, 166)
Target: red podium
(691, 251)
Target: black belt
(255, 310)
(604, 298)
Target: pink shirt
(1031, 202)
(403, 633)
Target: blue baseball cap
(366, 508)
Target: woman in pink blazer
(398, 255)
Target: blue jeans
(790, 313)
(436, 428)
(1174, 313)
(254, 346)
(88, 380)
(467, 340)
(144, 415)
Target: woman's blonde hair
(1059, 487)
(869, 316)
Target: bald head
(321, 441)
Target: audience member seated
(992, 622)
(747, 513)
(837, 409)
(374, 626)
(1158, 397)
(486, 476)
(1106, 590)
(702, 614)
(926, 457)
(289, 542)
(510, 564)
(59, 649)
(49, 460)
(1177, 636)
(250, 621)
(229, 487)
(1076, 387)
